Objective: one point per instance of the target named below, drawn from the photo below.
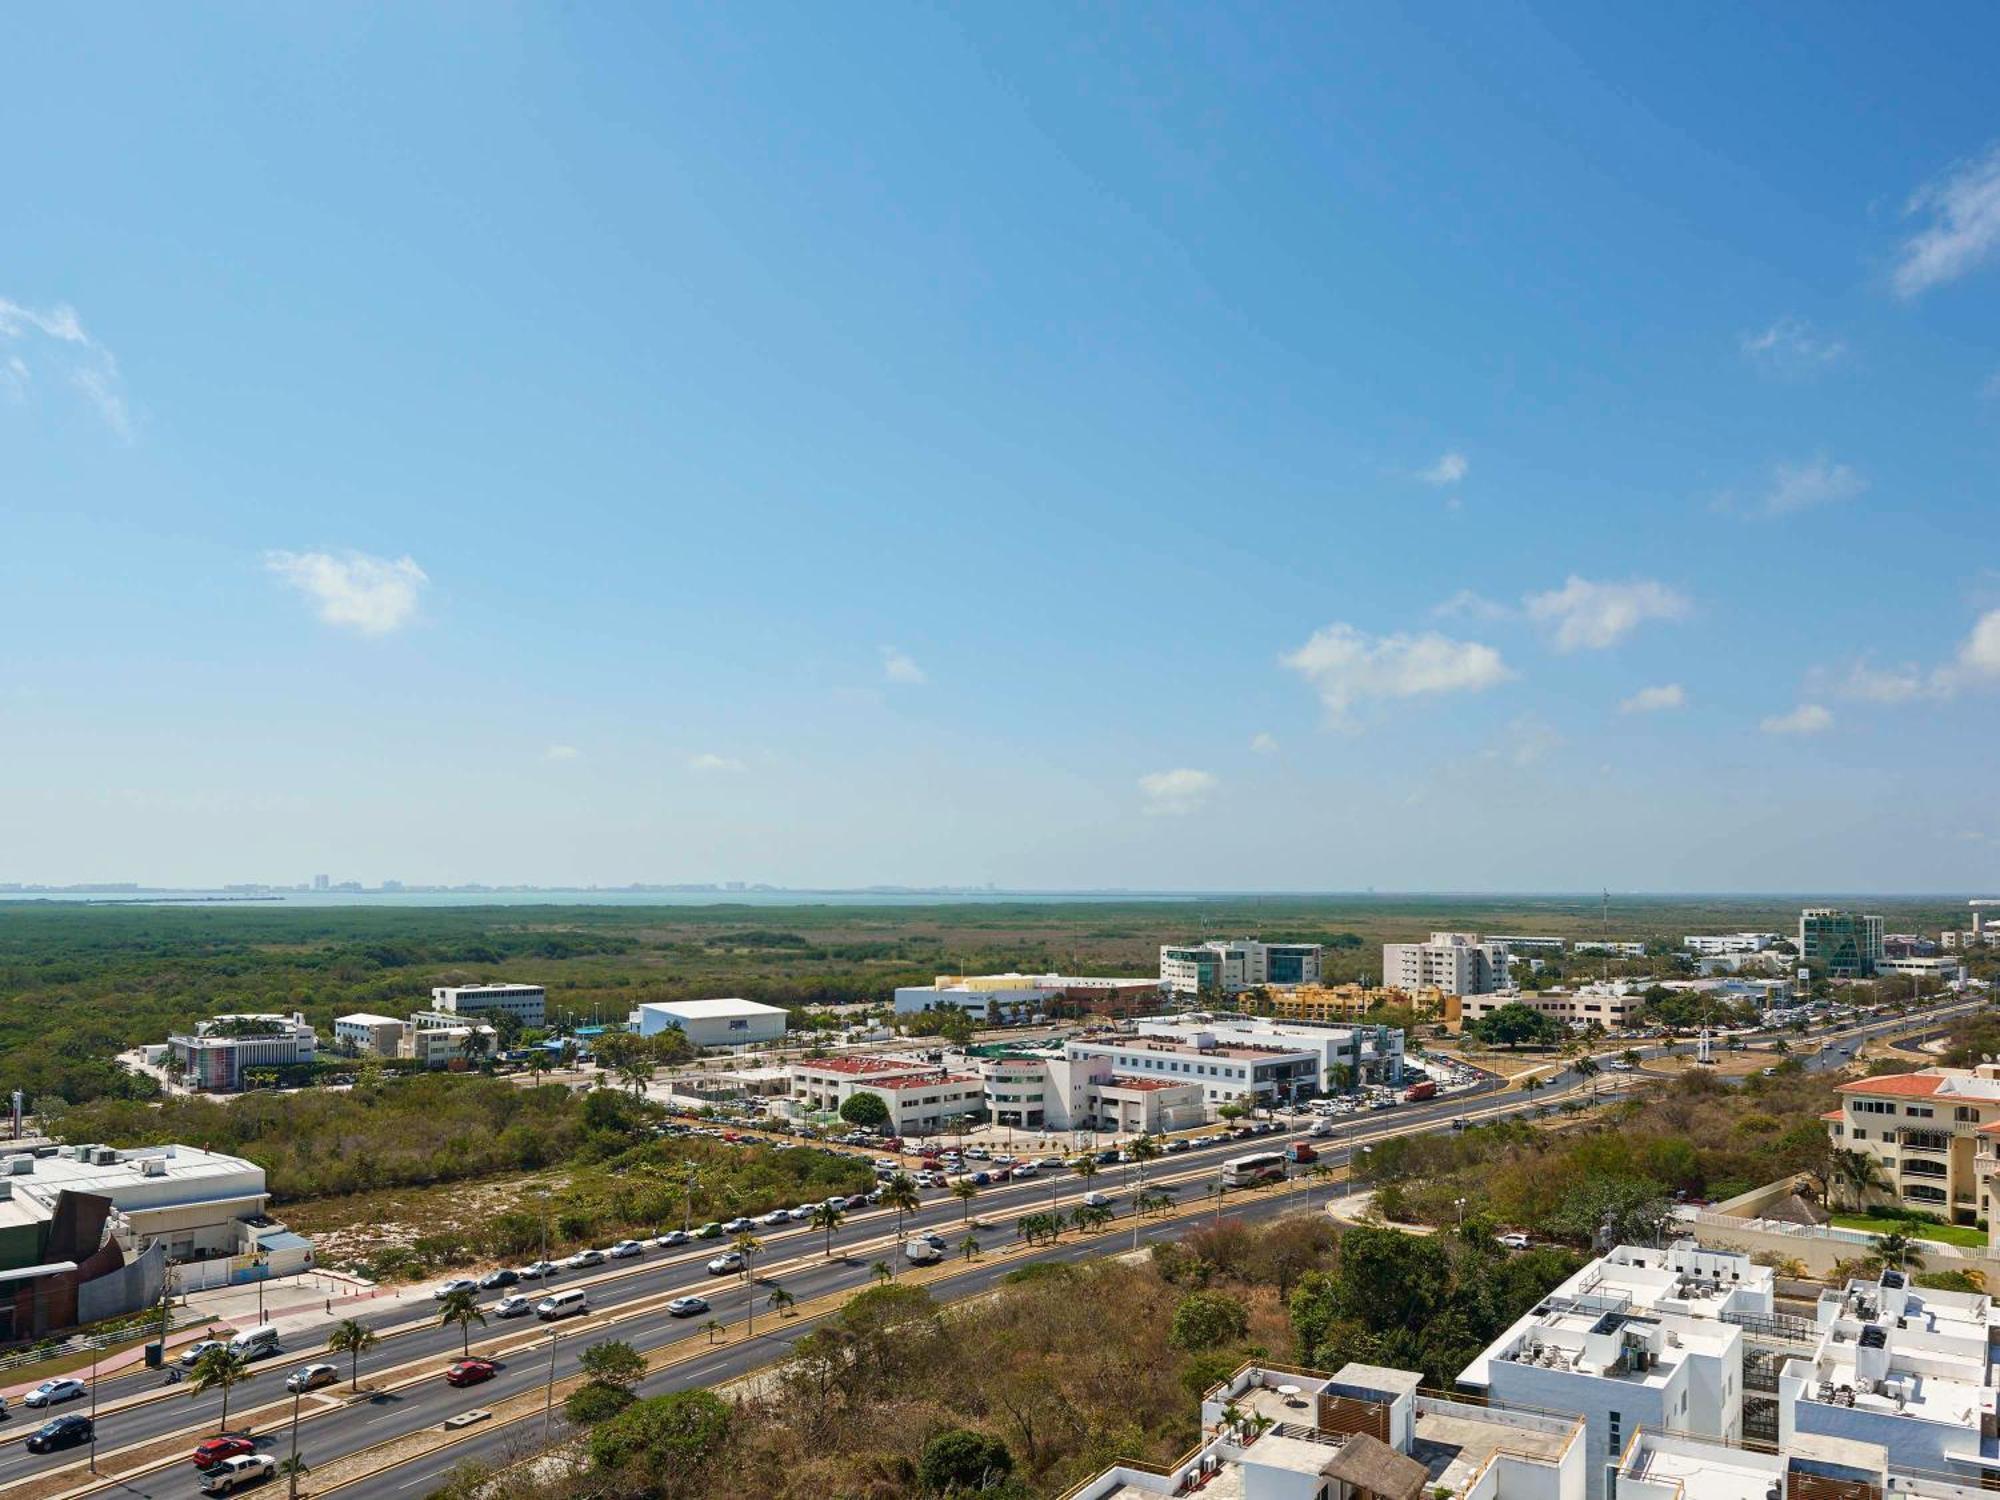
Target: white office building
(1359, 1054)
(1254, 1073)
(369, 1035)
(987, 1004)
(713, 1023)
(1459, 963)
(1728, 942)
(219, 1051)
(527, 1003)
(1642, 1338)
(1227, 967)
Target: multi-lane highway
(794, 1257)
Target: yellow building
(1350, 1002)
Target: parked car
(775, 1217)
(493, 1280)
(60, 1432)
(470, 1372)
(687, 1307)
(1177, 1145)
(857, 1202)
(722, 1265)
(514, 1305)
(55, 1392)
(311, 1377)
(584, 1258)
(1513, 1239)
(672, 1238)
(709, 1231)
(626, 1249)
(456, 1284)
(238, 1473)
(738, 1225)
(538, 1270)
(224, 1445)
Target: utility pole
(549, 1402)
(93, 1406)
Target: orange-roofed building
(1932, 1134)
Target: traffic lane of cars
(494, 1445)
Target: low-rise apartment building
(439, 1039)
(1225, 967)
(527, 1003)
(1459, 963)
(1616, 1006)
(1364, 1432)
(218, 1052)
(1642, 1337)
(1924, 1131)
(1231, 1069)
(1682, 1466)
(1907, 1370)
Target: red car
(207, 1455)
(471, 1372)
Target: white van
(255, 1343)
(569, 1304)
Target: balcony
(1934, 1141)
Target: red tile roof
(1900, 1085)
(862, 1067)
(1118, 1082)
(1832, 1114)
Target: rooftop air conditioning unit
(20, 1166)
(153, 1166)
(103, 1156)
(6, 1190)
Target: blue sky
(1457, 447)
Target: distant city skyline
(1236, 447)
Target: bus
(1259, 1166)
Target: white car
(514, 1305)
(626, 1249)
(456, 1284)
(723, 1264)
(1096, 1200)
(687, 1307)
(1513, 1240)
(672, 1238)
(775, 1217)
(311, 1378)
(55, 1392)
(537, 1270)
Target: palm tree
(477, 1044)
(1857, 1172)
(1144, 1149)
(781, 1301)
(687, 1197)
(712, 1328)
(1899, 1249)
(900, 1193)
(965, 1190)
(969, 1247)
(1586, 1067)
(538, 1062)
(352, 1339)
(294, 1469)
(1086, 1168)
(219, 1369)
(747, 1246)
(828, 1216)
(462, 1308)
(882, 1271)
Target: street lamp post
(93, 1408)
(296, 1397)
(549, 1401)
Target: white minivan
(569, 1304)
(255, 1343)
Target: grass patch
(1963, 1235)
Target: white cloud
(1797, 487)
(561, 752)
(1174, 792)
(708, 762)
(57, 335)
(1964, 227)
(1652, 700)
(1347, 666)
(1264, 744)
(1584, 615)
(1529, 740)
(1449, 469)
(1979, 655)
(1807, 718)
(1791, 346)
(1864, 682)
(899, 666)
(373, 595)
(1471, 605)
